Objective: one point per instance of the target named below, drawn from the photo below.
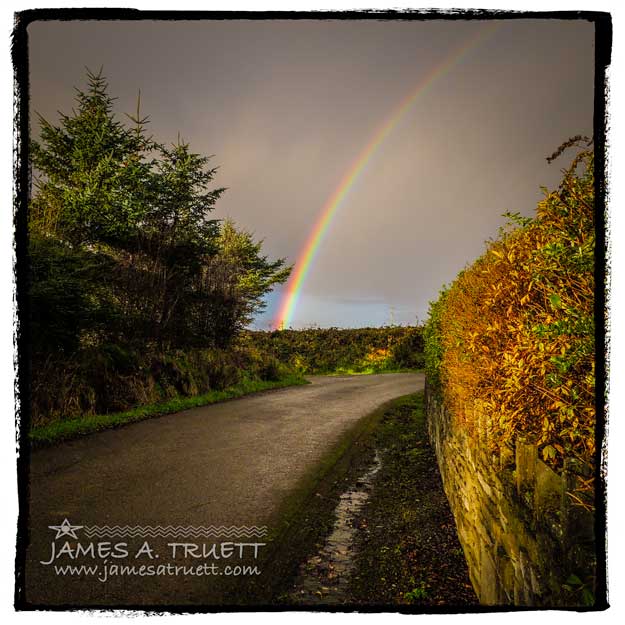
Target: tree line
(122, 246)
(335, 350)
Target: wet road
(228, 464)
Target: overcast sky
(287, 106)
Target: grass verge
(306, 516)
(408, 557)
(407, 549)
(73, 428)
(370, 371)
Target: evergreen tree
(91, 172)
(108, 196)
(252, 274)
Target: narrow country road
(228, 464)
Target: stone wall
(525, 541)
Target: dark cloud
(286, 107)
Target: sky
(287, 107)
(58, 64)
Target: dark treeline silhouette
(124, 254)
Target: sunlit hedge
(335, 350)
(512, 339)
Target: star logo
(65, 529)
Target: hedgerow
(512, 339)
(109, 379)
(335, 350)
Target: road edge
(306, 515)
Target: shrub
(407, 349)
(514, 334)
(328, 350)
(110, 378)
(433, 343)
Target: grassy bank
(72, 428)
(306, 515)
(103, 379)
(407, 552)
(371, 371)
(106, 385)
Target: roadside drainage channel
(324, 578)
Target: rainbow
(308, 253)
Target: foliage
(125, 259)
(334, 350)
(406, 350)
(580, 592)
(91, 173)
(433, 344)
(56, 431)
(241, 277)
(416, 594)
(67, 298)
(110, 378)
(114, 207)
(513, 336)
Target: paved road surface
(228, 464)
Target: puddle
(324, 578)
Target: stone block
(507, 579)
(526, 458)
(489, 580)
(519, 530)
(484, 485)
(547, 501)
(506, 457)
(510, 543)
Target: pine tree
(121, 241)
(91, 172)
